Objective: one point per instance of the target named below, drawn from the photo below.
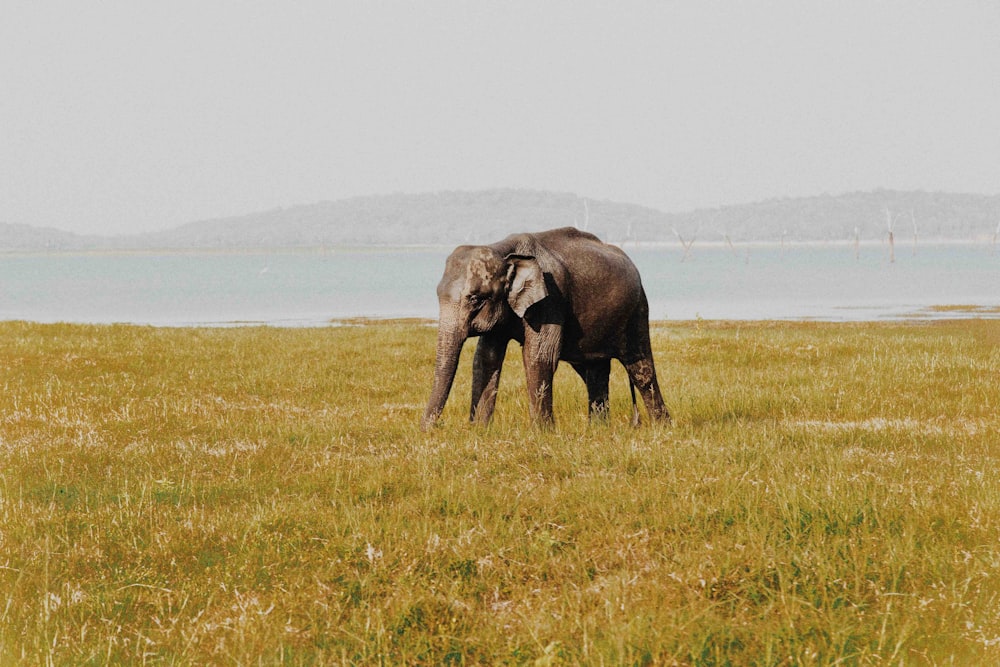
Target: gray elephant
(563, 294)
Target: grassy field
(827, 494)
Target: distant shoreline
(290, 250)
(901, 243)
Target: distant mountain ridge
(451, 218)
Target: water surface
(825, 282)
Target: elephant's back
(604, 292)
(590, 260)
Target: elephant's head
(481, 289)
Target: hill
(865, 215)
(25, 238)
(449, 218)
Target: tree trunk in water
(449, 347)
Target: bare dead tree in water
(586, 215)
(913, 221)
(857, 244)
(729, 242)
(995, 235)
(890, 222)
(686, 244)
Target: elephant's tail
(635, 408)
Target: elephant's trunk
(449, 346)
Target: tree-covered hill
(15, 237)
(451, 218)
(864, 215)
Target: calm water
(293, 289)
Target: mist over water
(825, 282)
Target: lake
(822, 282)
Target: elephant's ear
(525, 283)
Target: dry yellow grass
(826, 495)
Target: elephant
(563, 294)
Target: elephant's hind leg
(642, 373)
(595, 375)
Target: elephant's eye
(475, 300)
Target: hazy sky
(129, 116)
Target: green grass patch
(827, 494)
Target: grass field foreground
(827, 494)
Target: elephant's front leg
(541, 357)
(486, 366)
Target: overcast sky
(130, 116)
